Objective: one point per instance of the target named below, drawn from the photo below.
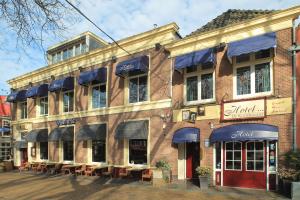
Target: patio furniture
(108, 172)
(37, 168)
(147, 174)
(69, 169)
(24, 167)
(80, 170)
(56, 169)
(123, 172)
(89, 171)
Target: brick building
(220, 97)
(5, 136)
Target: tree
(31, 20)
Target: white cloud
(122, 18)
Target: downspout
(294, 113)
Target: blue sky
(122, 18)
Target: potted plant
(203, 174)
(165, 168)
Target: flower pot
(203, 182)
(166, 175)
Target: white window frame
(254, 151)
(39, 106)
(251, 63)
(199, 72)
(233, 150)
(148, 88)
(62, 101)
(61, 147)
(21, 110)
(91, 96)
(39, 151)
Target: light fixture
(211, 125)
(206, 143)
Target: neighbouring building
(220, 97)
(5, 134)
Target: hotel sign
(66, 122)
(249, 109)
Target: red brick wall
(298, 89)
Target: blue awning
(37, 91)
(95, 76)
(62, 84)
(135, 65)
(17, 96)
(244, 132)
(186, 135)
(4, 129)
(205, 57)
(253, 44)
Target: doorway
(24, 155)
(192, 159)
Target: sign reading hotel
(248, 109)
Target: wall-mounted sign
(247, 109)
(201, 110)
(66, 122)
(189, 116)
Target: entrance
(24, 155)
(192, 159)
(244, 164)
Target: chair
(65, 169)
(56, 169)
(147, 174)
(123, 172)
(89, 171)
(37, 167)
(80, 170)
(109, 172)
(24, 167)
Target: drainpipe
(294, 49)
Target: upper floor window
(99, 96)
(43, 105)
(199, 85)
(23, 109)
(253, 76)
(138, 88)
(68, 101)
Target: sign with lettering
(66, 122)
(248, 109)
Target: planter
(295, 190)
(285, 187)
(166, 174)
(203, 182)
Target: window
(65, 54)
(59, 57)
(23, 109)
(138, 89)
(68, 150)
(199, 85)
(68, 101)
(233, 156)
(138, 151)
(44, 106)
(218, 155)
(99, 96)
(98, 151)
(255, 156)
(253, 76)
(272, 155)
(77, 50)
(70, 52)
(83, 48)
(44, 150)
(54, 58)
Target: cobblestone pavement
(27, 185)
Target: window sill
(257, 95)
(68, 162)
(194, 103)
(138, 103)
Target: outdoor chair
(123, 172)
(65, 170)
(89, 171)
(109, 172)
(24, 167)
(56, 169)
(37, 168)
(80, 170)
(147, 174)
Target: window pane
(259, 145)
(218, 155)
(133, 90)
(68, 150)
(262, 77)
(23, 107)
(207, 86)
(143, 88)
(98, 150)
(191, 69)
(83, 48)
(138, 151)
(237, 146)
(250, 155)
(192, 88)
(44, 150)
(229, 146)
(70, 52)
(229, 155)
(58, 56)
(250, 165)
(44, 106)
(243, 80)
(237, 155)
(250, 145)
(99, 96)
(77, 50)
(243, 58)
(259, 165)
(259, 155)
(237, 164)
(262, 54)
(229, 164)
(65, 54)
(54, 58)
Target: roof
(229, 17)
(4, 107)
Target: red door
(24, 155)
(192, 159)
(245, 164)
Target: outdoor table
(70, 167)
(98, 168)
(136, 170)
